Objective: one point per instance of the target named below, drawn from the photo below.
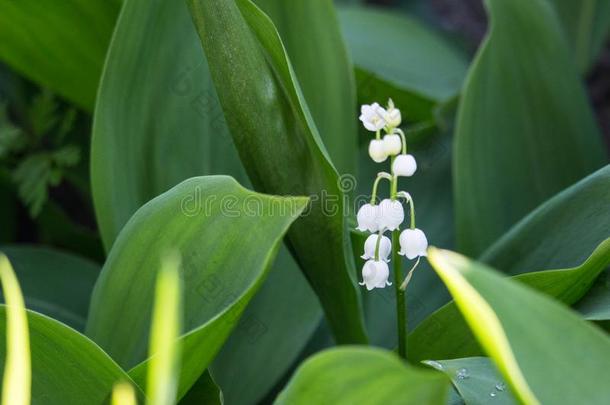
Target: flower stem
(401, 309)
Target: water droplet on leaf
(500, 386)
(492, 394)
(462, 374)
(434, 364)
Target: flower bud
(375, 274)
(391, 214)
(372, 117)
(377, 151)
(392, 144)
(385, 247)
(413, 243)
(404, 165)
(392, 115)
(368, 218)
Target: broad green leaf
(444, 334)
(476, 379)
(162, 377)
(560, 233)
(171, 117)
(595, 306)
(312, 37)
(525, 130)
(398, 57)
(537, 242)
(207, 220)
(272, 332)
(354, 375)
(54, 283)
(58, 44)
(585, 24)
(183, 136)
(67, 367)
(520, 335)
(17, 376)
(281, 148)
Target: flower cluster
(389, 214)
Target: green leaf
(560, 233)
(207, 220)
(162, 378)
(525, 130)
(476, 379)
(279, 320)
(33, 176)
(362, 375)
(54, 283)
(398, 57)
(58, 44)
(537, 242)
(281, 148)
(204, 391)
(586, 25)
(17, 378)
(312, 37)
(595, 306)
(190, 139)
(123, 394)
(520, 335)
(67, 368)
(445, 334)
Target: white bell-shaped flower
(372, 117)
(368, 218)
(392, 144)
(392, 115)
(413, 243)
(375, 274)
(391, 214)
(385, 247)
(377, 151)
(404, 165)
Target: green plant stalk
(401, 308)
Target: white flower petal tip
(404, 165)
(392, 144)
(377, 151)
(413, 243)
(385, 247)
(372, 117)
(392, 115)
(375, 274)
(368, 218)
(391, 214)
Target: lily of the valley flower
(391, 214)
(385, 247)
(392, 144)
(392, 115)
(372, 117)
(404, 165)
(377, 151)
(413, 243)
(375, 274)
(368, 218)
